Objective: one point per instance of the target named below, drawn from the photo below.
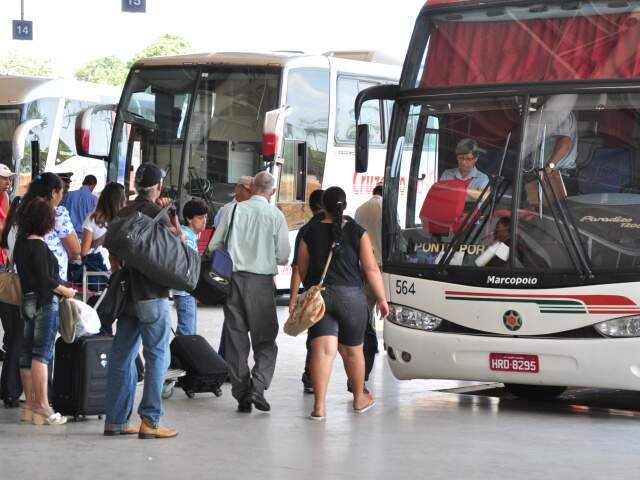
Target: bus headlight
(620, 327)
(409, 317)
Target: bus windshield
(212, 119)
(529, 42)
(556, 172)
(9, 120)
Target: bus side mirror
(362, 148)
(94, 128)
(273, 134)
(20, 137)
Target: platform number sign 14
(22, 30)
(138, 6)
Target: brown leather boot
(147, 431)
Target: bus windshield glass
(556, 172)
(212, 119)
(9, 120)
(530, 43)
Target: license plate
(514, 362)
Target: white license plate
(514, 362)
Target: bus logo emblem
(512, 320)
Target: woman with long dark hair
(111, 201)
(41, 286)
(346, 314)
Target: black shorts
(346, 315)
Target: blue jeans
(187, 314)
(40, 329)
(147, 321)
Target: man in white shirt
(241, 192)
(258, 242)
(369, 216)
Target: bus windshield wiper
(566, 225)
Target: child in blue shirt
(195, 214)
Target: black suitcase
(205, 370)
(80, 375)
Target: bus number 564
(403, 287)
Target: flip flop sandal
(366, 408)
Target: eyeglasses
(467, 158)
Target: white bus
(208, 119)
(551, 93)
(45, 110)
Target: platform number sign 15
(22, 30)
(137, 6)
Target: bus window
(225, 130)
(348, 89)
(153, 122)
(305, 142)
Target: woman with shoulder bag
(346, 314)
(41, 285)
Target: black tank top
(345, 265)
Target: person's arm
(72, 245)
(87, 240)
(303, 260)
(371, 272)
(5, 206)
(295, 274)
(283, 248)
(294, 288)
(560, 150)
(218, 237)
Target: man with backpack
(145, 319)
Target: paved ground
(415, 431)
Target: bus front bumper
(600, 363)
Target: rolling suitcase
(205, 370)
(80, 375)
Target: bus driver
(467, 152)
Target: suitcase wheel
(167, 390)
(189, 393)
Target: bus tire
(534, 392)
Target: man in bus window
(467, 153)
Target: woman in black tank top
(346, 314)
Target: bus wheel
(534, 392)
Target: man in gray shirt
(258, 242)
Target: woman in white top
(111, 201)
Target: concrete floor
(414, 431)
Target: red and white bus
(534, 283)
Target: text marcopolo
(493, 280)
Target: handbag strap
(233, 215)
(326, 265)
(330, 257)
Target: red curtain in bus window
(593, 47)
